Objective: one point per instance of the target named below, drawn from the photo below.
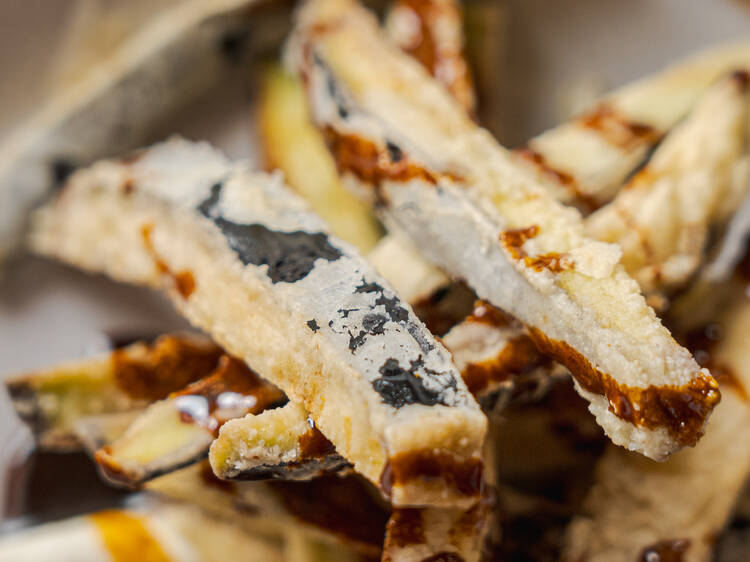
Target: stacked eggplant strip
(162, 531)
(699, 172)
(177, 431)
(53, 401)
(444, 181)
(728, 123)
(293, 145)
(681, 506)
(128, 450)
(304, 309)
(737, 135)
(586, 161)
(116, 106)
(337, 511)
(695, 180)
(142, 410)
(421, 533)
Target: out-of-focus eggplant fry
(395, 130)
(428, 533)
(694, 181)
(697, 305)
(418, 534)
(320, 323)
(179, 430)
(338, 511)
(153, 531)
(292, 144)
(432, 32)
(585, 161)
(94, 432)
(277, 444)
(637, 507)
(734, 543)
(301, 547)
(51, 400)
(538, 445)
(97, 28)
(117, 105)
(497, 358)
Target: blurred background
(544, 60)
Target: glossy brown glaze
(681, 410)
(552, 261)
(169, 364)
(518, 356)
(461, 475)
(435, 47)
(405, 527)
(184, 281)
(485, 313)
(372, 164)
(474, 520)
(232, 390)
(563, 179)
(617, 130)
(538, 159)
(665, 551)
(342, 506)
(513, 241)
